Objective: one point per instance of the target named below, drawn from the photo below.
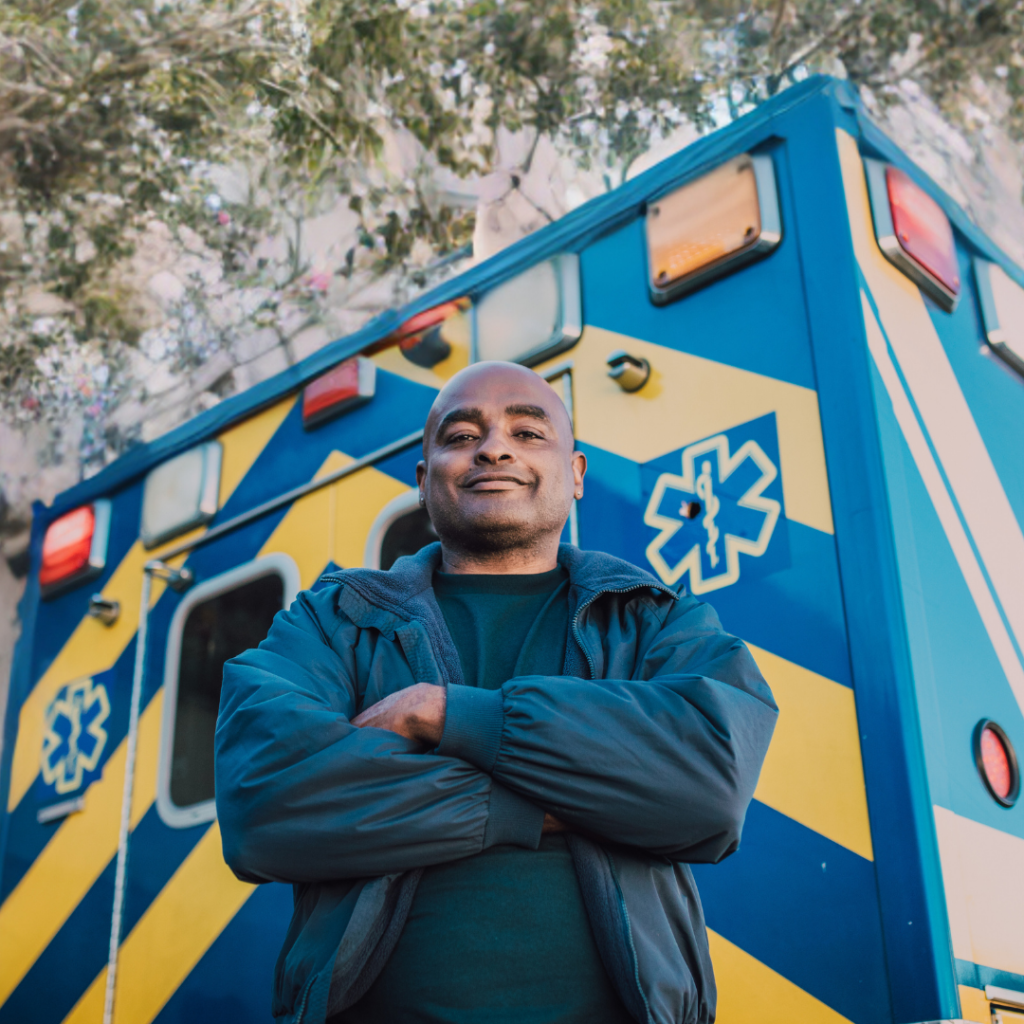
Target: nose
(494, 450)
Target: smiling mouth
(494, 483)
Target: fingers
(417, 713)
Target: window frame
(407, 502)
(278, 564)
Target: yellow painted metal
(304, 532)
(244, 442)
(973, 1005)
(179, 926)
(750, 992)
(358, 500)
(331, 525)
(701, 397)
(94, 647)
(82, 846)
(813, 772)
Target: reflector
(75, 547)
(711, 226)
(532, 316)
(340, 390)
(997, 762)
(914, 232)
(181, 494)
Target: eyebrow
(471, 414)
(464, 415)
(533, 411)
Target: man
(485, 769)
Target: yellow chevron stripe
(93, 647)
(87, 841)
(813, 771)
(74, 858)
(750, 992)
(332, 524)
(304, 532)
(974, 1006)
(358, 501)
(193, 908)
(689, 398)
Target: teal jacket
(648, 747)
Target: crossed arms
(665, 761)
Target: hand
(552, 824)
(417, 713)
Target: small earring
(579, 494)
(423, 499)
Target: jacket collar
(398, 587)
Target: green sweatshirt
(501, 937)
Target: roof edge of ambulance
(572, 232)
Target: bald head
(519, 385)
(499, 470)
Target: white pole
(120, 877)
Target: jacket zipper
(305, 999)
(586, 604)
(593, 674)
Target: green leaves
(117, 119)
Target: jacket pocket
(609, 919)
(319, 922)
(668, 937)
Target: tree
(206, 134)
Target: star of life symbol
(74, 737)
(707, 466)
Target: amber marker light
(712, 226)
(75, 547)
(997, 762)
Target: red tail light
(997, 762)
(75, 546)
(914, 232)
(340, 390)
(426, 339)
(923, 229)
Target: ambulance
(797, 371)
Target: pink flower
(223, 218)
(319, 281)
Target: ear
(579, 469)
(421, 474)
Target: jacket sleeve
(303, 795)
(666, 761)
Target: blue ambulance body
(819, 446)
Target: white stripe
(964, 457)
(944, 507)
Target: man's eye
(461, 437)
(529, 433)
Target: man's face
(499, 470)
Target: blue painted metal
(906, 857)
(809, 912)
